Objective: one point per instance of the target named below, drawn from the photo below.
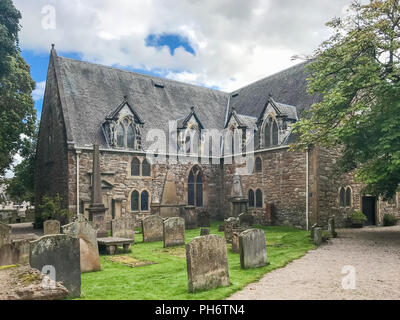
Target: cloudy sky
(223, 44)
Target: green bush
(358, 217)
(51, 209)
(389, 220)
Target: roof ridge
(145, 75)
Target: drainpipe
(77, 181)
(307, 192)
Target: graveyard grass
(167, 280)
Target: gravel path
(373, 251)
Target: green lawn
(167, 280)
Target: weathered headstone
(60, 254)
(89, 250)
(23, 247)
(235, 242)
(123, 228)
(189, 214)
(51, 227)
(246, 219)
(331, 227)
(315, 225)
(317, 236)
(9, 255)
(174, 232)
(207, 263)
(253, 251)
(152, 228)
(229, 225)
(5, 234)
(204, 232)
(203, 218)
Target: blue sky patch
(170, 40)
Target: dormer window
(122, 128)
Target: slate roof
(91, 92)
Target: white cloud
(17, 160)
(236, 41)
(38, 93)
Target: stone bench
(112, 243)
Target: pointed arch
(130, 137)
(267, 133)
(259, 200)
(251, 198)
(135, 167)
(195, 187)
(342, 200)
(348, 197)
(135, 200)
(144, 201)
(275, 134)
(120, 136)
(146, 168)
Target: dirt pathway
(374, 253)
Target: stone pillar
(97, 209)
(239, 203)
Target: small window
(342, 197)
(259, 200)
(146, 168)
(135, 167)
(348, 197)
(131, 137)
(191, 189)
(275, 134)
(120, 136)
(144, 201)
(258, 164)
(135, 201)
(251, 198)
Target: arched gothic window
(348, 197)
(146, 168)
(342, 197)
(135, 167)
(195, 187)
(120, 136)
(135, 200)
(144, 201)
(258, 164)
(271, 133)
(259, 200)
(130, 138)
(251, 198)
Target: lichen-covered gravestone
(331, 227)
(51, 227)
(60, 254)
(174, 232)
(5, 234)
(123, 228)
(253, 251)
(152, 228)
(235, 242)
(317, 236)
(229, 225)
(207, 263)
(203, 218)
(89, 250)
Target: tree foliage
(17, 113)
(357, 74)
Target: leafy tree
(17, 113)
(51, 209)
(21, 187)
(357, 74)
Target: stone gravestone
(123, 228)
(253, 251)
(235, 242)
(174, 232)
(331, 227)
(204, 232)
(89, 250)
(246, 219)
(51, 227)
(315, 225)
(9, 255)
(229, 225)
(203, 218)
(5, 234)
(60, 254)
(317, 236)
(152, 228)
(190, 216)
(207, 263)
